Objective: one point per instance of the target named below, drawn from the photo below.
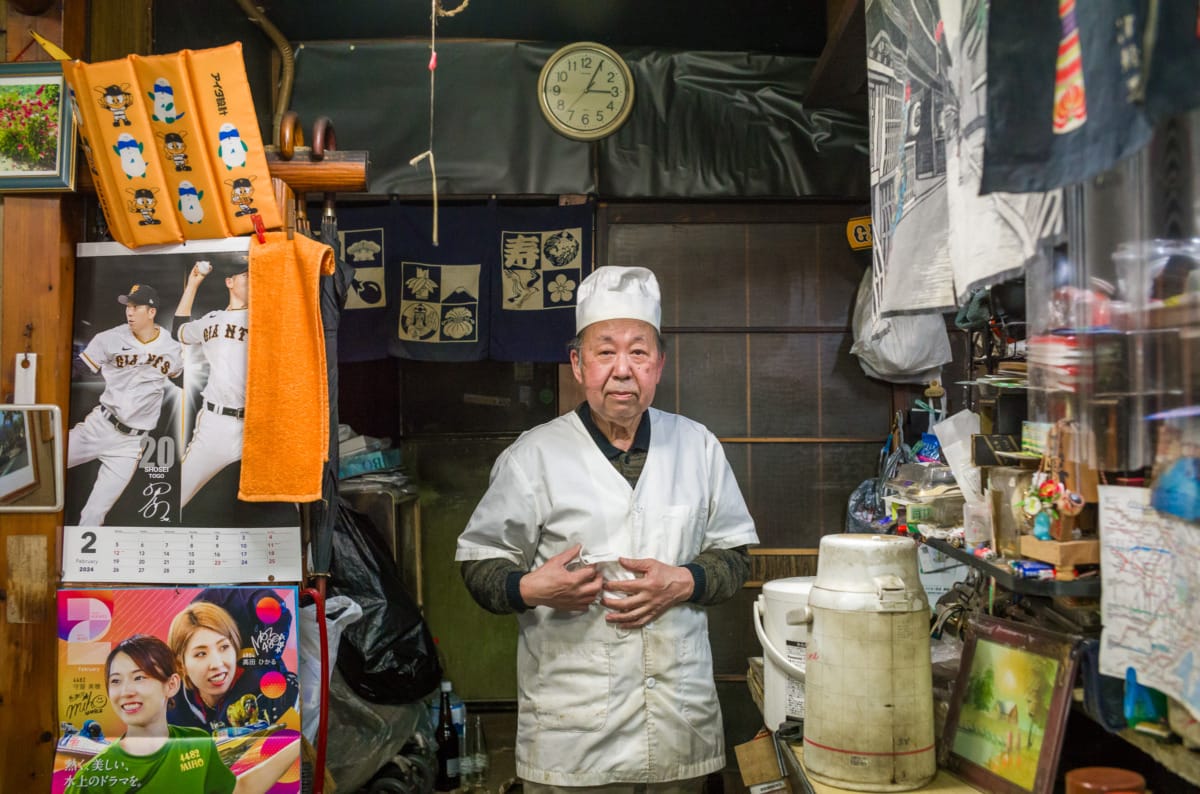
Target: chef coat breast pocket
(679, 533)
(573, 686)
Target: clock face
(586, 91)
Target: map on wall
(1148, 597)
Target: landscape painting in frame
(1006, 719)
(37, 133)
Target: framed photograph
(1005, 726)
(37, 131)
(18, 458)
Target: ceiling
(792, 27)
(833, 32)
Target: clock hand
(588, 88)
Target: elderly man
(608, 530)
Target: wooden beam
(841, 71)
(37, 274)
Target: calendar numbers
(182, 555)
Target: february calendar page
(157, 407)
(195, 555)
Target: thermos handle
(792, 670)
(892, 593)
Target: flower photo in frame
(37, 131)
(1005, 727)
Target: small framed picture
(37, 129)
(1005, 726)
(18, 461)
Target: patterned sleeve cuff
(700, 580)
(512, 588)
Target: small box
(1064, 552)
(758, 761)
(985, 447)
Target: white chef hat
(618, 293)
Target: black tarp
(705, 125)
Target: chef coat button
(650, 682)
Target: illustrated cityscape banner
(178, 690)
(935, 238)
(156, 413)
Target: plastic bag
(388, 656)
(340, 612)
(364, 737)
(908, 348)
(866, 511)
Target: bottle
(458, 714)
(466, 756)
(479, 753)
(447, 741)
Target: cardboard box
(1061, 552)
(758, 762)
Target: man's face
(238, 288)
(140, 318)
(619, 366)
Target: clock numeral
(562, 103)
(611, 77)
(587, 62)
(615, 91)
(560, 76)
(610, 106)
(584, 120)
(599, 116)
(556, 89)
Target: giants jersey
(223, 336)
(135, 373)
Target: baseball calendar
(157, 406)
(193, 555)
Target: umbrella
(333, 299)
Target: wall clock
(586, 91)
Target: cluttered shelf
(1171, 753)
(1084, 587)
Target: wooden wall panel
(36, 295)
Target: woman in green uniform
(152, 756)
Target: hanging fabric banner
(543, 252)
(500, 284)
(992, 236)
(907, 94)
(1062, 99)
(408, 297)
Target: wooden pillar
(36, 293)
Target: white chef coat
(598, 704)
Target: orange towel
(286, 434)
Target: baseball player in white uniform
(136, 360)
(222, 335)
